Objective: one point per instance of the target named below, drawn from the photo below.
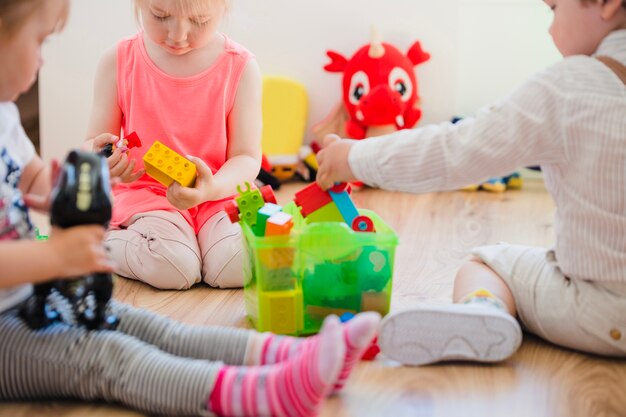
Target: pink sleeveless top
(186, 114)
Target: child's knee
(178, 272)
(470, 267)
(223, 265)
(222, 246)
(172, 280)
(165, 264)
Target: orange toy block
(167, 166)
(279, 224)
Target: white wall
(501, 43)
(480, 50)
(70, 60)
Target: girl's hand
(119, 164)
(333, 162)
(79, 250)
(184, 198)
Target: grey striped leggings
(150, 363)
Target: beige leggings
(161, 249)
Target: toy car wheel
(362, 224)
(268, 194)
(232, 211)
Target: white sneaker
(435, 333)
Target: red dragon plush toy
(380, 92)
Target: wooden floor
(436, 232)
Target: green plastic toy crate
(293, 281)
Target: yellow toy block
(285, 110)
(274, 258)
(167, 166)
(281, 312)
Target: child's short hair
(14, 13)
(189, 7)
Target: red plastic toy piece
(362, 224)
(311, 198)
(268, 194)
(315, 147)
(133, 140)
(232, 211)
(341, 187)
(265, 163)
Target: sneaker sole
(430, 334)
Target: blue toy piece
(345, 205)
(346, 317)
(343, 202)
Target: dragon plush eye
(400, 87)
(358, 92)
(359, 87)
(400, 82)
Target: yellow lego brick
(167, 166)
(281, 311)
(275, 258)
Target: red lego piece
(315, 147)
(133, 140)
(231, 209)
(311, 198)
(340, 187)
(268, 194)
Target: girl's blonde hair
(188, 7)
(14, 13)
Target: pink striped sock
(358, 334)
(295, 387)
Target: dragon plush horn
(377, 50)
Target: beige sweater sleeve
(522, 129)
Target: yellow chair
(285, 113)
